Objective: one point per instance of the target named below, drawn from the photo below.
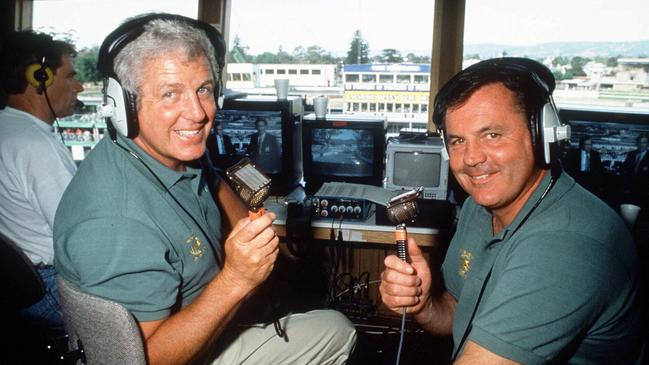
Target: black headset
(122, 105)
(545, 126)
(39, 75)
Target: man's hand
(250, 252)
(406, 284)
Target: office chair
(100, 331)
(21, 285)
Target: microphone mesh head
(251, 184)
(403, 208)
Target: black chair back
(21, 285)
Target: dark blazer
(637, 183)
(269, 156)
(593, 179)
(212, 150)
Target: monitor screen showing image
(613, 140)
(343, 152)
(256, 134)
(417, 168)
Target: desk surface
(352, 231)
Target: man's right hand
(406, 284)
(250, 252)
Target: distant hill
(567, 49)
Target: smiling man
(139, 224)
(539, 270)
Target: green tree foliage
(359, 50)
(313, 55)
(238, 53)
(577, 63)
(560, 60)
(413, 58)
(86, 65)
(389, 55)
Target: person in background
(37, 74)
(263, 149)
(539, 271)
(635, 172)
(218, 143)
(585, 166)
(166, 238)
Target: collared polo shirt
(134, 231)
(559, 285)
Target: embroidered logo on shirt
(465, 262)
(195, 247)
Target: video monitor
(343, 148)
(256, 134)
(264, 129)
(417, 162)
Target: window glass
(352, 78)
(369, 78)
(386, 79)
(403, 79)
(421, 79)
(598, 60)
(347, 39)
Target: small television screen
(343, 148)
(264, 129)
(342, 152)
(409, 168)
(417, 162)
(612, 131)
(256, 134)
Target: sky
(265, 25)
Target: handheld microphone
(401, 209)
(251, 184)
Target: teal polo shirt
(136, 232)
(560, 286)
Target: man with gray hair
(146, 224)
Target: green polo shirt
(136, 232)
(560, 286)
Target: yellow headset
(39, 75)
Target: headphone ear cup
(124, 115)
(39, 76)
(535, 132)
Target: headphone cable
(49, 105)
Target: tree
(284, 57)
(390, 55)
(312, 55)
(359, 50)
(86, 65)
(266, 57)
(238, 52)
(560, 60)
(577, 65)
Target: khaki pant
(315, 337)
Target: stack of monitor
(339, 148)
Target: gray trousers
(315, 337)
